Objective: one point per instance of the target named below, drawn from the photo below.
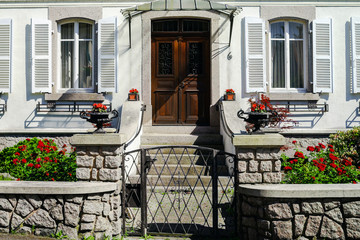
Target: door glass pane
(85, 64)
(165, 26)
(296, 64)
(66, 64)
(85, 31)
(165, 58)
(67, 31)
(277, 30)
(195, 26)
(278, 64)
(295, 30)
(195, 58)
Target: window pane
(195, 26)
(85, 64)
(296, 64)
(67, 64)
(278, 64)
(277, 30)
(295, 30)
(85, 31)
(165, 26)
(67, 31)
(195, 58)
(165, 58)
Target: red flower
(17, 154)
(310, 148)
(322, 145)
(47, 174)
(40, 144)
(37, 166)
(70, 174)
(295, 160)
(38, 160)
(332, 157)
(287, 168)
(30, 165)
(330, 146)
(317, 148)
(347, 162)
(291, 162)
(331, 150)
(321, 167)
(354, 182)
(299, 155)
(18, 179)
(52, 179)
(64, 146)
(333, 165)
(321, 159)
(262, 107)
(23, 160)
(47, 158)
(294, 142)
(28, 139)
(313, 178)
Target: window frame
(287, 56)
(76, 41)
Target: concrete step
(181, 139)
(179, 158)
(179, 150)
(184, 182)
(180, 129)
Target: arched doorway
(180, 71)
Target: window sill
(74, 97)
(293, 96)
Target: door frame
(214, 19)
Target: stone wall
(11, 140)
(268, 218)
(75, 215)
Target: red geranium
(332, 157)
(310, 148)
(30, 165)
(23, 160)
(299, 154)
(37, 166)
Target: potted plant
(229, 95)
(262, 114)
(99, 115)
(133, 95)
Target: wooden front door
(180, 78)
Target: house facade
(57, 57)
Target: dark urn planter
(258, 119)
(99, 118)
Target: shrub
(320, 166)
(38, 160)
(347, 144)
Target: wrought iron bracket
(3, 108)
(53, 106)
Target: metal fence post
(143, 193)
(215, 193)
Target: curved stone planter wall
(75, 208)
(283, 211)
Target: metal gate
(186, 190)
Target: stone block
(44, 231)
(102, 224)
(94, 174)
(253, 166)
(312, 208)
(83, 173)
(252, 233)
(112, 161)
(352, 228)
(57, 212)
(245, 154)
(16, 220)
(4, 218)
(49, 203)
(116, 227)
(352, 209)
(109, 174)
(263, 224)
(268, 153)
(81, 151)
(71, 232)
(23, 207)
(88, 218)
(12, 199)
(106, 210)
(299, 222)
(272, 177)
(93, 207)
(250, 178)
(105, 197)
(312, 226)
(335, 214)
(94, 151)
(282, 229)
(265, 166)
(331, 229)
(248, 221)
(108, 150)
(85, 161)
(74, 199)
(99, 162)
(278, 211)
(242, 166)
(248, 210)
(277, 165)
(5, 204)
(41, 218)
(72, 213)
(296, 207)
(34, 200)
(87, 226)
(331, 205)
(94, 197)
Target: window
(77, 56)
(288, 54)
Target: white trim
(8, 21)
(355, 59)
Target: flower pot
(133, 97)
(229, 97)
(99, 118)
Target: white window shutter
(355, 46)
(5, 54)
(255, 54)
(107, 55)
(322, 56)
(41, 55)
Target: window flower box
(229, 95)
(133, 95)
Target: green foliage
(38, 160)
(59, 235)
(146, 236)
(3, 178)
(347, 144)
(89, 238)
(320, 166)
